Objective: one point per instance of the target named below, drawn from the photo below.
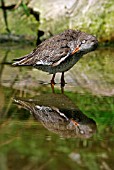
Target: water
(41, 130)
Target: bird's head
(83, 43)
(86, 42)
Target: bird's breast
(62, 67)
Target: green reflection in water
(26, 144)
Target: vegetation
(28, 18)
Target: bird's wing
(50, 52)
(45, 56)
(49, 114)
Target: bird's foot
(62, 82)
(62, 86)
(52, 86)
(53, 83)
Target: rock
(93, 16)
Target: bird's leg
(62, 82)
(53, 83)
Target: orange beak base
(75, 50)
(74, 122)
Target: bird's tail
(26, 60)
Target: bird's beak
(74, 122)
(75, 50)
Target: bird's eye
(83, 41)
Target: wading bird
(59, 53)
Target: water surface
(33, 138)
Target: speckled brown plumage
(60, 52)
(64, 119)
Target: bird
(59, 115)
(59, 53)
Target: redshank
(59, 114)
(59, 53)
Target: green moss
(94, 21)
(19, 23)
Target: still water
(40, 130)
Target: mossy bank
(95, 17)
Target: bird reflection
(58, 114)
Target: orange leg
(62, 82)
(53, 83)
